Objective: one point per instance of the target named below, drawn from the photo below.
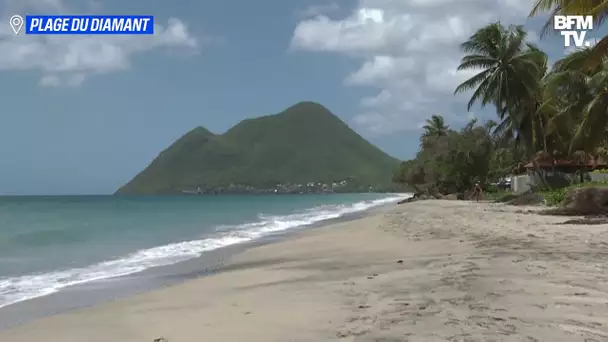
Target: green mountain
(304, 143)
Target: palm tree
(597, 8)
(435, 127)
(510, 68)
(579, 97)
(510, 78)
(595, 114)
(470, 125)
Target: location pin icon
(16, 23)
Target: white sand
(470, 272)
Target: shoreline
(98, 292)
(429, 270)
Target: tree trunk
(541, 175)
(530, 137)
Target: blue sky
(83, 115)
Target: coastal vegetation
(557, 195)
(303, 149)
(545, 112)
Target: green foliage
(545, 115)
(305, 143)
(492, 189)
(505, 160)
(435, 127)
(556, 196)
(506, 197)
(499, 195)
(510, 78)
(449, 162)
(605, 171)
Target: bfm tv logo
(566, 23)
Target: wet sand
(424, 271)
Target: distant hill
(305, 143)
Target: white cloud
(409, 52)
(379, 70)
(70, 60)
(316, 10)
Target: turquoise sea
(50, 243)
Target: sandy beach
(423, 271)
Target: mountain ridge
(302, 144)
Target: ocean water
(50, 243)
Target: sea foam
(21, 288)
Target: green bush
(601, 171)
(556, 196)
(589, 184)
(506, 197)
(498, 195)
(491, 189)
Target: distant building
(568, 166)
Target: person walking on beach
(476, 192)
